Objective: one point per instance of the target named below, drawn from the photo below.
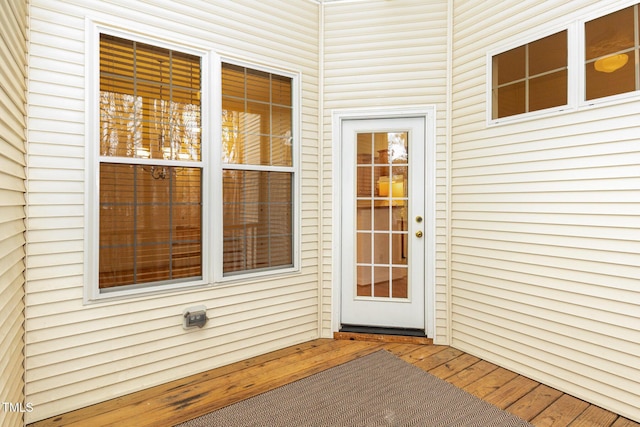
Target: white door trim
(427, 112)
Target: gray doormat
(376, 390)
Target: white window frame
(576, 97)
(583, 102)
(572, 76)
(92, 292)
(218, 248)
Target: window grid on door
(382, 206)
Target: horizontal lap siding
(388, 54)
(545, 229)
(78, 355)
(13, 46)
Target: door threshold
(398, 339)
(389, 335)
(405, 332)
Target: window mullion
(530, 77)
(636, 31)
(526, 78)
(151, 162)
(171, 234)
(258, 168)
(135, 227)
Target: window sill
(609, 101)
(256, 275)
(524, 117)
(97, 297)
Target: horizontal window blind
(257, 115)
(150, 213)
(257, 220)
(150, 224)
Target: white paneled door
(383, 222)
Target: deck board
(455, 366)
(190, 397)
(534, 402)
(593, 417)
(489, 383)
(509, 393)
(471, 374)
(562, 412)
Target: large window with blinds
(150, 165)
(258, 170)
(152, 211)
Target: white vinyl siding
(540, 268)
(79, 354)
(13, 45)
(545, 238)
(388, 54)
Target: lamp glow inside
(397, 186)
(609, 64)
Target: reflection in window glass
(258, 220)
(150, 224)
(256, 117)
(382, 204)
(150, 215)
(258, 170)
(611, 52)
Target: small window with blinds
(258, 170)
(150, 165)
(531, 77)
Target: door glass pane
(382, 180)
(399, 184)
(399, 248)
(399, 282)
(382, 172)
(381, 255)
(365, 180)
(365, 148)
(364, 248)
(381, 282)
(381, 218)
(364, 287)
(399, 221)
(364, 215)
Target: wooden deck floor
(181, 400)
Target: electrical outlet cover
(195, 316)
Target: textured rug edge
(388, 400)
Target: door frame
(428, 113)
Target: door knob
(418, 233)
(418, 218)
